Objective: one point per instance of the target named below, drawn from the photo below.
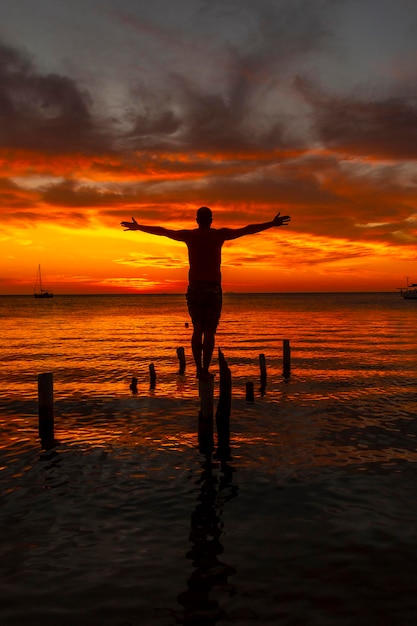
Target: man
(204, 295)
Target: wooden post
(286, 358)
(205, 416)
(152, 374)
(46, 408)
(250, 397)
(262, 365)
(223, 410)
(181, 357)
(134, 385)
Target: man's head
(204, 217)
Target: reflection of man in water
(210, 577)
(204, 295)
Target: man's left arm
(252, 229)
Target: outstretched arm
(178, 235)
(251, 229)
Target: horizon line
(181, 293)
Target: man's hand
(280, 221)
(133, 225)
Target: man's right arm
(178, 235)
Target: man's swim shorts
(204, 301)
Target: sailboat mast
(40, 278)
(42, 293)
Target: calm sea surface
(125, 523)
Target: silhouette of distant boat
(409, 292)
(39, 291)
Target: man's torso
(205, 253)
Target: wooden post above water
(223, 410)
(262, 365)
(46, 409)
(286, 359)
(152, 375)
(205, 416)
(250, 396)
(181, 358)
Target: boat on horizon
(39, 291)
(409, 292)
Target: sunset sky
(110, 110)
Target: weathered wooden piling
(46, 408)
(262, 365)
(152, 375)
(134, 385)
(250, 396)
(181, 358)
(286, 358)
(223, 410)
(205, 416)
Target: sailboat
(410, 291)
(40, 292)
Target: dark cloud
(43, 112)
(210, 96)
(199, 120)
(51, 113)
(193, 142)
(138, 259)
(69, 194)
(222, 111)
(148, 125)
(310, 255)
(271, 29)
(34, 215)
(245, 260)
(12, 197)
(385, 128)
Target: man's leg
(197, 346)
(208, 347)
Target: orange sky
(154, 122)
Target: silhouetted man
(204, 294)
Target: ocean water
(124, 522)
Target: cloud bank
(237, 106)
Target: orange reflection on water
(349, 399)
